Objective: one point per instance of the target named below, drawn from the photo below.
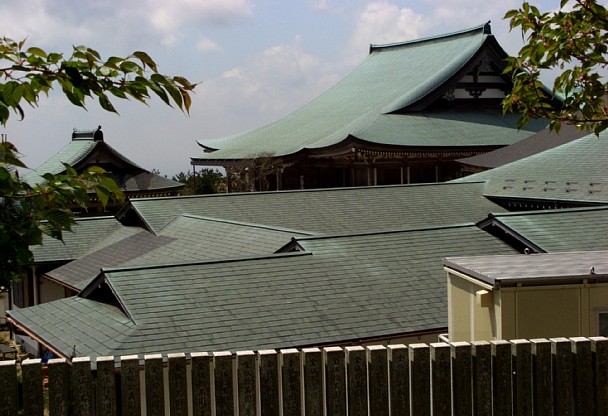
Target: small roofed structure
(404, 115)
(527, 296)
(88, 148)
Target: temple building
(404, 115)
(88, 148)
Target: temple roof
(388, 100)
(89, 149)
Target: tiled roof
(86, 234)
(575, 229)
(392, 79)
(559, 267)
(328, 210)
(346, 288)
(572, 172)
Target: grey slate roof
(328, 210)
(345, 288)
(572, 172)
(393, 79)
(539, 142)
(575, 229)
(86, 234)
(509, 269)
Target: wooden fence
(538, 377)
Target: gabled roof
(575, 229)
(399, 78)
(81, 152)
(572, 172)
(326, 210)
(85, 235)
(346, 288)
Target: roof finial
(98, 136)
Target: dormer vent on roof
(96, 135)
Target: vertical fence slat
(335, 381)
(82, 382)
(269, 382)
(130, 386)
(378, 380)
(155, 385)
(399, 373)
(441, 379)
(290, 382)
(542, 374)
(58, 371)
(599, 348)
(106, 386)
(314, 397)
(462, 377)
(246, 376)
(583, 376)
(8, 388)
(521, 351)
(563, 376)
(33, 401)
(178, 385)
(224, 384)
(420, 372)
(357, 380)
(482, 377)
(502, 386)
(201, 384)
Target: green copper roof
(393, 78)
(572, 172)
(327, 210)
(348, 287)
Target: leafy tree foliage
(206, 181)
(27, 212)
(572, 41)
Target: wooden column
(246, 376)
(543, 377)
(224, 384)
(106, 387)
(335, 381)
(462, 369)
(314, 382)
(357, 381)
(521, 351)
(33, 402)
(130, 385)
(201, 382)
(82, 394)
(269, 382)
(399, 371)
(482, 377)
(58, 371)
(377, 357)
(419, 355)
(178, 390)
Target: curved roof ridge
(485, 29)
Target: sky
(257, 61)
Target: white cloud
(206, 45)
(319, 4)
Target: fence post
(130, 388)
(357, 380)
(420, 369)
(106, 386)
(441, 379)
(58, 371)
(335, 381)
(155, 385)
(246, 378)
(82, 383)
(224, 384)
(542, 373)
(291, 382)
(201, 384)
(33, 402)
(399, 371)
(502, 391)
(8, 388)
(378, 380)
(314, 397)
(178, 385)
(482, 378)
(599, 347)
(269, 382)
(522, 381)
(563, 376)
(462, 380)
(583, 376)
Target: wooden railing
(536, 377)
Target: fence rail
(523, 377)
